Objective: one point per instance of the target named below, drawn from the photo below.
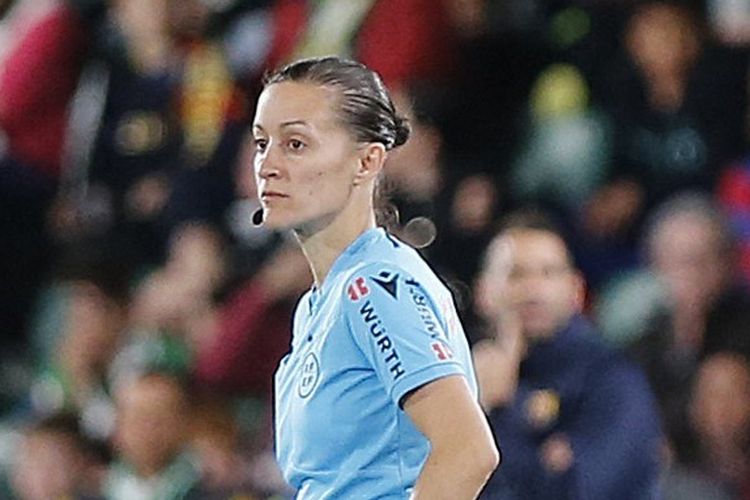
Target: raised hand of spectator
(180, 294)
(286, 274)
(496, 362)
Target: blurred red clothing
(252, 335)
(37, 82)
(403, 40)
(733, 192)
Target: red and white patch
(442, 351)
(357, 289)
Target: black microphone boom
(258, 217)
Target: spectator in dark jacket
(574, 419)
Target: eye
(296, 145)
(260, 144)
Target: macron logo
(388, 282)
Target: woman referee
(377, 397)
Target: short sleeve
(399, 328)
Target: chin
(301, 223)
(271, 222)
(276, 225)
(538, 331)
(275, 219)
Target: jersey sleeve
(399, 328)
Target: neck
(148, 470)
(323, 245)
(667, 92)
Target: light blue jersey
(381, 326)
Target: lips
(532, 309)
(272, 195)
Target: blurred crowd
(142, 313)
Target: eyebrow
(289, 123)
(294, 122)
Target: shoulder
(601, 359)
(391, 260)
(302, 309)
(585, 339)
(391, 281)
(612, 371)
(301, 306)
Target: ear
(579, 299)
(371, 160)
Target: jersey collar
(346, 260)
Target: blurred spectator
(214, 438)
(706, 308)
(465, 223)
(625, 307)
(76, 355)
(676, 104)
(480, 111)
(504, 48)
(15, 17)
(733, 193)
(178, 296)
(43, 45)
(153, 419)
(679, 109)
(239, 351)
(56, 461)
(679, 484)
(173, 305)
(49, 39)
(413, 177)
(574, 419)
(229, 344)
(403, 40)
(158, 124)
(720, 414)
(231, 466)
(567, 148)
(730, 20)
(229, 335)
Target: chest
(549, 401)
(328, 397)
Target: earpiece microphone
(258, 217)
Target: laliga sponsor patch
(441, 351)
(357, 289)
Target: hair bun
(402, 131)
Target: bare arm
(463, 452)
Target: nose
(266, 164)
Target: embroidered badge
(309, 375)
(542, 408)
